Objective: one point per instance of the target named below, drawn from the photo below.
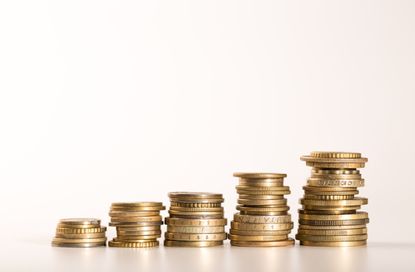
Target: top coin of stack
(79, 232)
(196, 220)
(329, 216)
(137, 223)
(263, 219)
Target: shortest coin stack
(79, 232)
(263, 219)
(137, 223)
(196, 220)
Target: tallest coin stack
(329, 216)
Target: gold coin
(334, 244)
(138, 204)
(324, 157)
(274, 189)
(332, 209)
(330, 190)
(341, 232)
(195, 222)
(261, 213)
(136, 209)
(197, 200)
(195, 205)
(261, 227)
(80, 221)
(336, 182)
(73, 226)
(136, 239)
(287, 242)
(338, 164)
(234, 237)
(317, 227)
(135, 224)
(328, 197)
(259, 175)
(195, 237)
(138, 228)
(317, 171)
(138, 233)
(333, 222)
(187, 209)
(257, 232)
(83, 245)
(357, 201)
(196, 215)
(80, 235)
(262, 193)
(190, 229)
(169, 243)
(330, 238)
(194, 195)
(335, 155)
(80, 230)
(260, 197)
(327, 212)
(133, 244)
(358, 215)
(262, 209)
(78, 241)
(328, 176)
(262, 202)
(133, 214)
(137, 219)
(277, 219)
(274, 181)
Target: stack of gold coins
(329, 216)
(196, 220)
(137, 224)
(263, 219)
(79, 232)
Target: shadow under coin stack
(196, 220)
(137, 223)
(263, 219)
(329, 216)
(79, 232)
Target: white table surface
(38, 255)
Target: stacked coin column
(137, 223)
(79, 232)
(263, 219)
(329, 216)
(196, 220)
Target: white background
(104, 101)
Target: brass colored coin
(135, 224)
(195, 205)
(261, 227)
(195, 215)
(169, 243)
(342, 232)
(338, 164)
(80, 230)
(331, 238)
(260, 197)
(334, 228)
(133, 244)
(333, 209)
(138, 228)
(327, 212)
(262, 202)
(262, 182)
(287, 242)
(195, 237)
(328, 197)
(262, 193)
(262, 219)
(136, 239)
(317, 171)
(262, 209)
(203, 210)
(194, 195)
(336, 182)
(357, 201)
(136, 209)
(336, 177)
(138, 233)
(257, 232)
(330, 190)
(137, 204)
(335, 155)
(80, 245)
(156, 218)
(274, 189)
(358, 215)
(80, 221)
(234, 237)
(260, 213)
(80, 235)
(197, 200)
(259, 175)
(133, 214)
(73, 226)
(200, 230)
(334, 244)
(333, 222)
(78, 241)
(195, 222)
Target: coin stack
(196, 220)
(137, 224)
(79, 232)
(263, 219)
(329, 216)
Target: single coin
(262, 209)
(169, 243)
(80, 235)
(133, 214)
(357, 201)
(78, 241)
(342, 232)
(197, 200)
(138, 233)
(235, 237)
(330, 190)
(278, 194)
(187, 209)
(330, 238)
(259, 175)
(266, 181)
(335, 171)
(262, 202)
(136, 209)
(335, 165)
(80, 245)
(327, 212)
(133, 244)
(336, 182)
(332, 209)
(257, 232)
(196, 215)
(136, 239)
(287, 242)
(80, 230)
(328, 197)
(135, 224)
(193, 195)
(137, 219)
(334, 222)
(261, 213)
(262, 219)
(358, 215)
(195, 237)
(195, 222)
(80, 221)
(260, 197)
(335, 177)
(261, 227)
(195, 205)
(335, 155)
(138, 204)
(317, 227)
(138, 228)
(73, 226)
(334, 244)
(190, 229)
(269, 189)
